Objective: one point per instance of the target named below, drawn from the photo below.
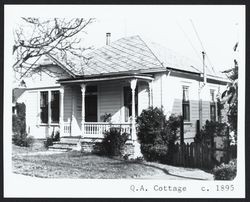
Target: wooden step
(51, 148)
(70, 139)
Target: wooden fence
(197, 155)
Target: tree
(36, 37)
(230, 95)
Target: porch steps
(69, 143)
(65, 144)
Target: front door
(91, 104)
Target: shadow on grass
(124, 162)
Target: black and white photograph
(124, 101)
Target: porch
(84, 102)
(97, 129)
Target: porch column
(83, 89)
(137, 150)
(133, 86)
(61, 110)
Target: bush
(226, 171)
(55, 136)
(22, 140)
(157, 135)
(210, 130)
(113, 142)
(155, 152)
(48, 142)
(20, 137)
(18, 119)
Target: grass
(75, 165)
(37, 161)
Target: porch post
(83, 89)
(137, 151)
(133, 86)
(61, 110)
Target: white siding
(170, 97)
(143, 96)
(110, 100)
(34, 127)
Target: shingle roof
(132, 53)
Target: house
(121, 79)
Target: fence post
(182, 131)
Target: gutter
(105, 79)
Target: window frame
(213, 116)
(41, 107)
(51, 107)
(49, 111)
(185, 103)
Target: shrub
(113, 142)
(155, 152)
(48, 142)
(20, 137)
(226, 171)
(157, 135)
(106, 117)
(22, 140)
(18, 119)
(150, 123)
(55, 136)
(210, 130)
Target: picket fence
(197, 155)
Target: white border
(22, 186)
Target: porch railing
(66, 129)
(97, 129)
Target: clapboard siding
(32, 113)
(177, 106)
(143, 96)
(205, 111)
(68, 93)
(110, 100)
(34, 126)
(157, 101)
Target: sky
(175, 27)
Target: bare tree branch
(47, 36)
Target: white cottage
(121, 79)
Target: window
(55, 106)
(185, 103)
(212, 106)
(49, 108)
(44, 106)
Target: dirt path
(167, 172)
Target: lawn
(45, 164)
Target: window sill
(187, 123)
(47, 124)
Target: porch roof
(106, 78)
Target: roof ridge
(151, 51)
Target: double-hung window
(44, 107)
(185, 103)
(212, 106)
(54, 106)
(49, 106)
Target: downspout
(200, 88)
